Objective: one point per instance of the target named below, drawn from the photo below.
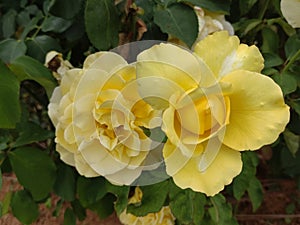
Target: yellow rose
(216, 104)
(98, 116)
(163, 217)
(290, 10)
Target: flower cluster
(211, 104)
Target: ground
(280, 206)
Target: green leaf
(221, 212)
(8, 23)
(39, 46)
(102, 23)
(188, 206)
(33, 24)
(24, 208)
(78, 209)
(10, 49)
(243, 27)
(66, 9)
(65, 183)
(272, 60)
(69, 217)
(246, 5)
(242, 181)
(286, 81)
(153, 199)
(31, 132)
(292, 45)
(255, 192)
(34, 169)
(27, 68)
(6, 202)
(220, 6)
(105, 206)
(10, 110)
(292, 141)
(121, 192)
(55, 24)
(270, 41)
(178, 20)
(90, 190)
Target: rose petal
(226, 165)
(258, 113)
(223, 54)
(290, 10)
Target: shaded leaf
(65, 9)
(291, 46)
(27, 68)
(102, 23)
(153, 199)
(55, 24)
(255, 193)
(292, 141)
(178, 20)
(272, 60)
(69, 217)
(10, 110)
(65, 183)
(39, 46)
(105, 206)
(24, 208)
(34, 169)
(270, 41)
(121, 192)
(221, 212)
(220, 6)
(30, 133)
(242, 181)
(10, 49)
(188, 206)
(90, 190)
(78, 209)
(8, 23)
(246, 5)
(286, 81)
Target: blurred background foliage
(76, 28)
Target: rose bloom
(216, 104)
(208, 23)
(98, 116)
(163, 217)
(290, 10)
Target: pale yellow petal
(83, 168)
(258, 113)
(291, 12)
(223, 54)
(65, 155)
(107, 61)
(100, 159)
(226, 165)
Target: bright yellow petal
(291, 11)
(169, 69)
(258, 113)
(224, 54)
(186, 174)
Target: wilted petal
(258, 112)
